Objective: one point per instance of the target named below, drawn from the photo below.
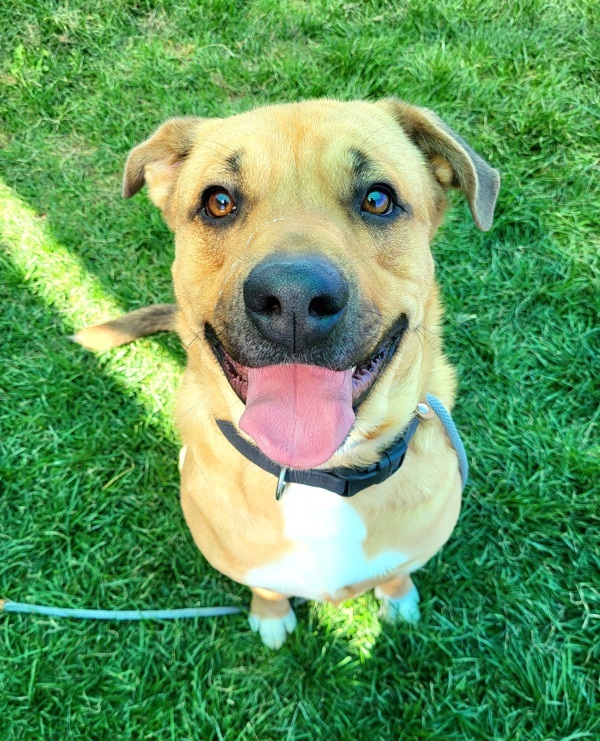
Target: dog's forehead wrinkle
(234, 162)
(360, 162)
(300, 138)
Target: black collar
(343, 481)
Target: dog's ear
(156, 160)
(454, 163)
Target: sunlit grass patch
(59, 279)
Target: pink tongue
(298, 415)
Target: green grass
(509, 644)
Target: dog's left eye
(378, 201)
(218, 203)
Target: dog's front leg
(399, 599)
(272, 616)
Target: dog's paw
(395, 609)
(273, 631)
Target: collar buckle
(376, 473)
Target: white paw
(273, 631)
(394, 609)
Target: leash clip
(281, 482)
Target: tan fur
(266, 604)
(398, 587)
(295, 167)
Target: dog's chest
(327, 553)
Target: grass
(508, 647)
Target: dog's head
(302, 259)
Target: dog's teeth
(354, 367)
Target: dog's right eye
(378, 201)
(217, 203)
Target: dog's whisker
(392, 126)
(436, 334)
(421, 335)
(197, 337)
(220, 146)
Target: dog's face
(302, 248)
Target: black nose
(295, 300)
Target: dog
(304, 284)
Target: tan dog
(303, 278)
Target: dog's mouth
(299, 414)
(364, 374)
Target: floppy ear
(453, 161)
(156, 161)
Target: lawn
(509, 643)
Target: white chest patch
(327, 535)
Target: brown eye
(378, 201)
(219, 203)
